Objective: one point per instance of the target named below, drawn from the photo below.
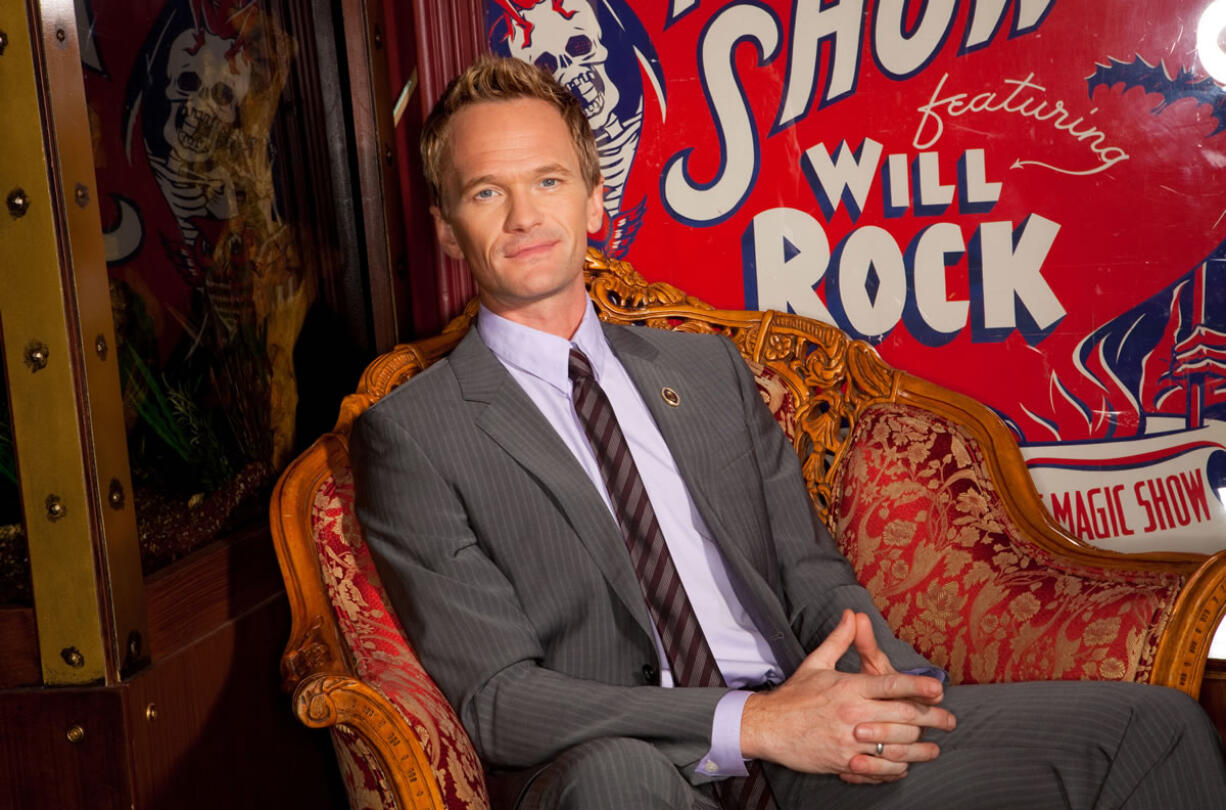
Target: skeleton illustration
(204, 94)
(205, 91)
(571, 48)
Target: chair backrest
(925, 490)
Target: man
(525, 553)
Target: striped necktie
(689, 656)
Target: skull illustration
(572, 51)
(205, 90)
(196, 146)
(207, 84)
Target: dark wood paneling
(18, 648)
(221, 733)
(41, 768)
(217, 584)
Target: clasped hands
(824, 721)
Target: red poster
(1022, 200)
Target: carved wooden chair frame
(831, 378)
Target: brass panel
(64, 392)
(111, 472)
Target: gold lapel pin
(670, 396)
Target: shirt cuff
(929, 672)
(724, 759)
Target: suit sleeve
(471, 631)
(817, 581)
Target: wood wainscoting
(204, 726)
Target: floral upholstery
(917, 515)
(382, 658)
(364, 780)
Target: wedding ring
(880, 748)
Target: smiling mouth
(523, 251)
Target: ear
(444, 233)
(595, 207)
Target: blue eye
(484, 194)
(550, 182)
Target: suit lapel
(508, 416)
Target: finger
(857, 779)
(908, 752)
(898, 733)
(875, 767)
(910, 713)
(832, 648)
(912, 752)
(899, 686)
(917, 714)
(872, 660)
(897, 741)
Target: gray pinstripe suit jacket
(511, 576)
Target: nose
(523, 212)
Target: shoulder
(673, 344)
(703, 362)
(429, 395)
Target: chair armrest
(1180, 660)
(323, 701)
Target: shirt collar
(544, 356)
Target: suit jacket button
(650, 676)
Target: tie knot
(579, 366)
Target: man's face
(516, 205)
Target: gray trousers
(1058, 744)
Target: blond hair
(503, 79)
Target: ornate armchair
(924, 489)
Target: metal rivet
(134, 644)
(115, 496)
(388, 155)
(18, 202)
(100, 346)
(378, 37)
(55, 508)
(60, 35)
(670, 396)
(151, 712)
(81, 194)
(72, 656)
(4, 42)
(75, 734)
(37, 355)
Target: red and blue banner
(1022, 200)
